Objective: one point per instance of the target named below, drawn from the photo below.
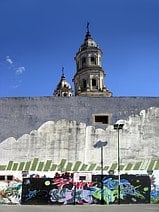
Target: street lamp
(101, 144)
(118, 127)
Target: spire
(62, 76)
(88, 27)
(88, 35)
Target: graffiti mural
(62, 190)
(10, 191)
(154, 189)
(133, 189)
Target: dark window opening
(83, 61)
(2, 177)
(84, 83)
(103, 119)
(93, 60)
(94, 82)
(10, 177)
(82, 178)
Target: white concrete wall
(64, 139)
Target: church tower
(63, 88)
(89, 77)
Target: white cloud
(20, 70)
(9, 60)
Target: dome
(63, 88)
(88, 42)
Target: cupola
(89, 77)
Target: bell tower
(89, 77)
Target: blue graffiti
(30, 195)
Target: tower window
(83, 61)
(93, 60)
(84, 83)
(94, 82)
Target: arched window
(83, 62)
(94, 82)
(83, 85)
(93, 60)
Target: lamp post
(118, 127)
(101, 144)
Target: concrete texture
(21, 115)
(73, 141)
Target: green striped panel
(129, 166)
(113, 166)
(2, 167)
(10, 164)
(40, 166)
(27, 166)
(151, 165)
(53, 167)
(105, 168)
(157, 165)
(47, 165)
(69, 166)
(61, 165)
(122, 167)
(98, 168)
(92, 167)
(137, 165)
(144, 165)
(15, 166)
(34, 164)
(76, 166)
(21, 166)
(84, 167)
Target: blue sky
(38, 37)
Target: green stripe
(47, 165)
(10, 164)
(113, 166)
(84, 167)
(157, 165)
(53, 168)
(91, 167)
(106, 168)
(27, 166)
(15, 166)
(34, 164)
(40, 166)
(69, 167)
(21, 166)
(98, 168)
(129, 166)
(151, 165)
(137, 165)
(61, 165)
(2, 167)
(122, 167)
(76, 166)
